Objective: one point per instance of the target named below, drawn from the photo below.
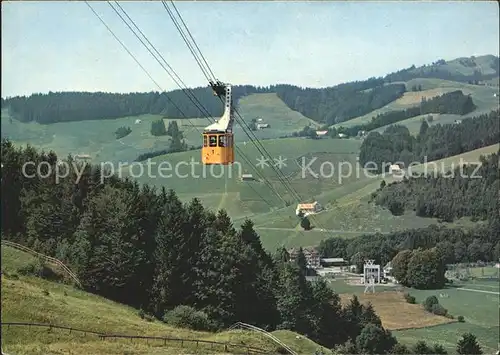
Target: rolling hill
(483, 96)
(267, 200)
(35, 300)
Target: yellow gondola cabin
(218, 142)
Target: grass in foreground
(29, 299)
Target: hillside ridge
(367, 95)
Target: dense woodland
(158, 128)
(454, 102)
(396, 144)
(470, 190)
(339, 103)
(454, 245)
(78, 106)
(146, 249)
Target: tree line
(454, 245)
(339, 103)
(147, 249)
(328, 105)
(469, 190)
(439, 70)
(454, 102)
(396, 144)
(78, 106)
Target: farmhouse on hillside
(308, 208)
(312, 256)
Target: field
(96, 137)
(341, 185)
(220, 188)
(408, 315)
(411, 323)
(479, 309)
(348, 213)
(24, 300)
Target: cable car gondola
(218, 142)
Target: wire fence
(234, 348)
(46, 258)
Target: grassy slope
(96, 137)
(241, 198)
(481, 95)
(24, 301)
(480, 311)
(348, 212)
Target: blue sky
(62, 46)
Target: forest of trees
(177, 142)
(396, 144)
(328, 105)
(158, 128)
(146, 249)
(465, 191)
(78, 106)
(339, 103)
(437, 71)
(454, 102)
(454, 245)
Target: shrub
(461, 319)
(429, 302)
(305, 223)
(188, 317)
(39, 269)
(141, 313)
(281, 350)
(439, 310)
(409, 298)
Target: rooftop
(333, 260)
